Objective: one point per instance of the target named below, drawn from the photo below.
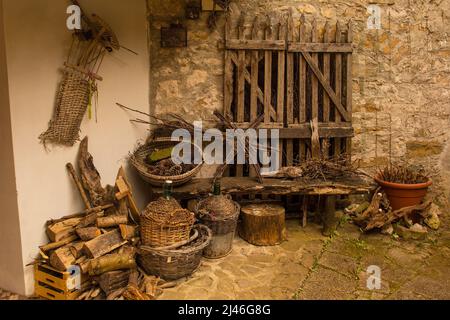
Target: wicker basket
(71, 103)
(164, 223)
(138, 162)
(175, 263)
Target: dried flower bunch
(403, 173)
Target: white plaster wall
(11, 264)
(37, 43)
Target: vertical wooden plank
(282, 35)
(254, 83)
(302, 86)
(228, 81)
(348, 147)
(241, 85)
(290, 90)
(254, 75)
(241, 75)
(282, 29)
(338, 86)
(326, 98)
(268, 74)
(314, 80)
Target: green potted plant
(404, 185)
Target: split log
(63, 229)
(113, 280)
(263, 224)
(125, 192)
(62, 259)
(115, 294)
(76, 249)
(112, 221)
(103, 244)
(77, 182)
(84, 266)
(56, 245)
(81, 214)
(90, 219)
(112, 262)
(89, 175)
(128, 232)
(123, 207)
(88, 233)
(133, 291)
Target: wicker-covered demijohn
(164, 222)
(220, 213)
(173, 264)
(138, 160)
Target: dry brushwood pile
(379, 214)
(102, 240)
(320, 169)
(404, 174)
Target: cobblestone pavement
(311, 266)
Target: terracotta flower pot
(404, 195)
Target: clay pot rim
(404, 186)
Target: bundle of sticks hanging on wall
(78, 88)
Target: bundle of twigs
(404, 174)
(326, 169)
(170, 123)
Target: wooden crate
(53, 284)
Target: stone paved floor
(310, 266)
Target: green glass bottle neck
(167, 189)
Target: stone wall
(401, 74)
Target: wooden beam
(268, 45)
(320, 47)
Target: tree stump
(263, 224)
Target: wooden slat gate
(296, 76)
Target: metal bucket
(223, 231)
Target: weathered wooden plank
(290, 91)
(338, 86)
(247, 75)
(254, 75)
(241, 77)
(349, 97)
(246, 185)
(326, 86)
(304, 132)
(320, 47)
(268, 75)
(228, 74)
(281, 74)
(302, 72)
(302, 87)
(256, 44)
(314, 81)
(326, 72)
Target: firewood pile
(102, 240)
(378, 215)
